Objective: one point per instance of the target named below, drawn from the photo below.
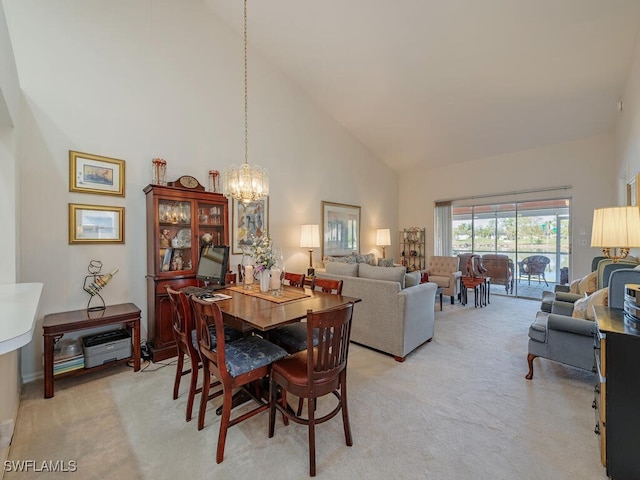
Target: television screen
(213, 263)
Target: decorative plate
(184, 237)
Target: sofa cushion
(341, 268)
(369, 258)
(385, 262)
(392, 274)
(412, 278)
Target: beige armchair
(444, 271)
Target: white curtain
(442, 229)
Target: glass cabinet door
(174, 236)
(211, 223)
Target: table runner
(287, 294)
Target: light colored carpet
(457, 408)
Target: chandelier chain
(246, 95)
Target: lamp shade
(310, 236)
(383, 237)
(616, 227)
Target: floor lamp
(310, 238)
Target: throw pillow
(580, 308)
(342, 268)
(392, 274)
(345, 259)
(385, 262)
(574, 287)
(588, 284)
(412, 279)
(601, 297)
(369, 258)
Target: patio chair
(533, 265)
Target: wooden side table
(480, 286)
(55, 325)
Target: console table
(617, 393)
(55, 325)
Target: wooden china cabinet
(180, 218)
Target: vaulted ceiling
(432, 82)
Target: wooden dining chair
(182, 332)
(294, 279)
(327, 285)
(293, 338)
(314, 373)
(236, 364)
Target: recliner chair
(569, 340)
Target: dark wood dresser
(617, 394)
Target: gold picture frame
(90, 173)
(95, 224)
(632, 191)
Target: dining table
(249, 309)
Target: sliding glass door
(533, 234)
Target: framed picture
(94, 174)
(248, 220)
(95, 224)
(340, 229)
(632, 191)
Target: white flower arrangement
(262, 253)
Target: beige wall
(138, 80)
(10, 100)
(584, 164)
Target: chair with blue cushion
(314, 373)
(293, 338)
(236, 364)
(184, 333)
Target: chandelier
(245, 183)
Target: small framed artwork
(95, 224)
(95, 174)
(340, 229)
(248, 220)
(632, 191)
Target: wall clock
(187, 181)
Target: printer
(106, 347)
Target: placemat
(287, 294)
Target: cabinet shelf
(188, 215)
(412, 248)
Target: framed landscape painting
(340, 229)
(249, 220)
(95, 174)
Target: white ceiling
(432, 82)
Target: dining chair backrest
(327, 285)
(209, 314)
(182, 318)
(295, 279)
(328, 359)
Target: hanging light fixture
(245, 183)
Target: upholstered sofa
(444, 271)
(396, 314)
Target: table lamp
(383, 239)
(616, 230)
(310, 238)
